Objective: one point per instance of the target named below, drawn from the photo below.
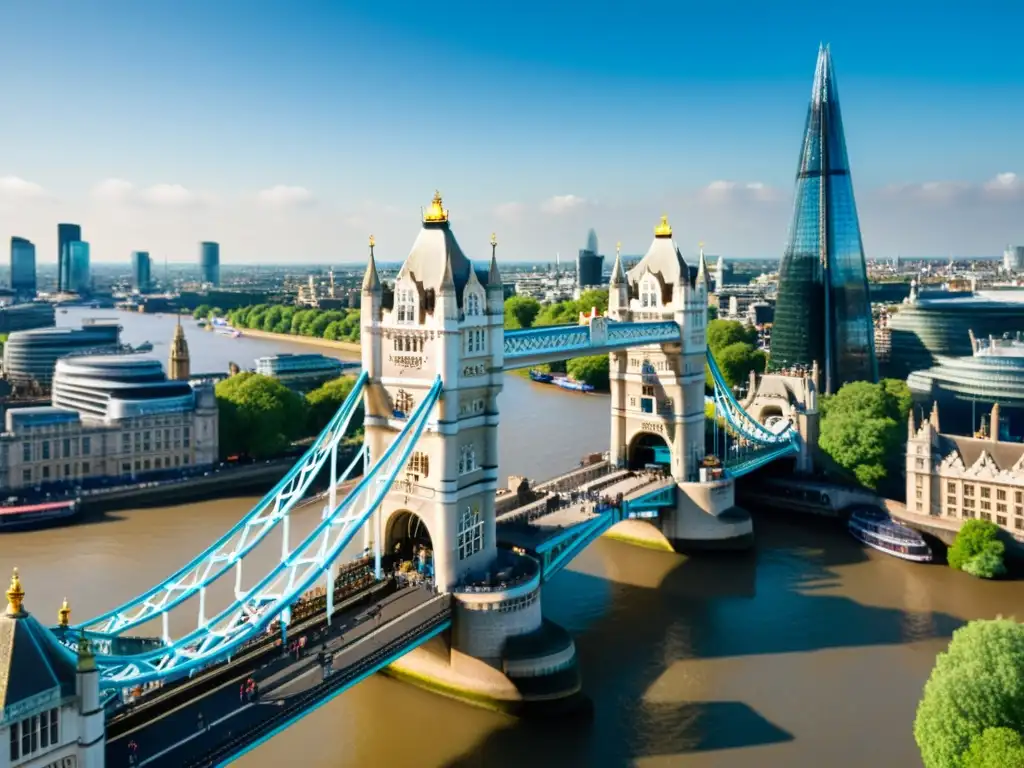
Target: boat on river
(572, 385)
(879, 531)
(540, 376)
(16, 518)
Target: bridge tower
(443, 318)
(657, 393)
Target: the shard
(823, 313)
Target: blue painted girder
(534, 346)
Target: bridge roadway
(361, 641)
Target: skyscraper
(823, 314)
(589, 263)
(141, 271)
(23, 268)
(77, 260)
(209, 263)
(66, 233)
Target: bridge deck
(173, 739)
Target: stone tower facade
(443, 318)
(657, 391)
(179, 366)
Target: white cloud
(509, 211)
(284, 196)
(1003, 186)
(121, 192)
(113, 190)
(562, 203)
(16, 188)
(722, 190)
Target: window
(986, 492)
(951, 487)
(46, 449)
(86, 446)
(157, 462)
(126, 442)
(470, 532)
(405, 306)
(186, 434)
(920, 464)
(986, 505)
(1018, 523)
(67, 470)
(26, 475)
(403, 404)
(1000, 507)
(1018, 497)
(66, 451)
(473, 304)
(475, 338)
(1001, 520)
(968, 490)
(648, 293)
(419, 466)
(26, 451)
(46, 473)
(85, 467)
(408, 344)
(1000, 494)
(467, 459)
(34, 734)
(126, 468)
(951, 501)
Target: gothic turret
(703, 278)
(371, 280)
(179, 365)
(618, 288)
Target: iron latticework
(823, 313)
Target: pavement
(177, 737)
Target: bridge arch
(407, 539)
(648, 448)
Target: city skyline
(301, 153)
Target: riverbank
(351, 347)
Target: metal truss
(554, 338)
(253, 610)
(651, 501)
(623, 335)
(558, 342)
(229, 550)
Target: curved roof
(664, 261)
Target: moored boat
(879, 531)
(571, 384)
(541, 376)
(36, 515)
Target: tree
(722, 333)
(977, 550)
(977, 686)
(325, 401)
(520, 312)
(995, 748)
(737, 360)
(259, 416)
(712, 313)
(201, 312)
(592, 370)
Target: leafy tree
(712, 313)
(977, 550)
(259, 416)
(520, 312)
(201, 311)
(722, 333)
(216, 312)
(977, 686)
(737, 360)
(325, 401)
(899, 398)
(995, 748)
(592, 370)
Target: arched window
(405, 306)
(648, 292)
(475, 340)
(470, 536)
(403, 404)
(467, 459)
(418, 467)
(473, 304)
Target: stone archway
(647, 448)
(407, 540)
(772, 415)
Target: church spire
(493, 275)
(371, 280)
(618, 275)
(702, 270)
(179, 366)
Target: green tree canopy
(592, 370)
(723, 333)
(324, 401)
(977, 686)
(520, 312)
(996, 748)
(977, 549)
(259, 416)
(201, 311)
(737, 360)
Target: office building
(209, 263)
(66, 233)
(77, 261)
(23, 268)
(959, 478)
(141, 270)
(31, 356)
(823, 314)
(1013, 258)
(24, 317)
(589, 264)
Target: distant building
(23, 268)
(24, 317)
(66, 233)
(1013, 258)
(142, 267)
(77, 260)
(209, 263)
(823, 314)
(30, 356)
(964, 478)
(50, 708)
(589, 264)
(179, 366)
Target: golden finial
(15, 595)
(618, 248)
(494, 240)
(663, 229)
(64, 614)
(373, 242)
(437, 211)
(86, 657)
(701, 245)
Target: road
(178, 737)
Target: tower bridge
(434, 353)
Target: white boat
(879, 531)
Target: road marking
(186, 740)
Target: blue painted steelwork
(253, 610)
(659, 498)
(533, 346)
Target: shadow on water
(677, 611)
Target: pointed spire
(447, 279)
(994, 422)
(618, 276)
(371, 280)
(702, 269)
(933, 419)
(493, 275)
(911, 424)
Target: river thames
(810, 650)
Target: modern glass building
(23, 268)
(66, 233)
(77, 260)
(823, 313)
(141, 271)
(209, 263)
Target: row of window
(34, 734)
(507, 606)
(650, 404)
(986, 492)
(56, 449)
(70, 470)
(467, 460)
(182, 438)
(475, 340)
(405, 306)
(1001, 520)
(408, 343)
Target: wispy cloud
(1002, 187)
(722, 190)
(284, 196)
(509, 211)
(562, 203)
(14, 188)
(121, 192)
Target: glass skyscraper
(23, 268)
(823, 314)
(141, 268)
(77, 257)
(209, 263)
(66, 233)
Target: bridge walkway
(175, 739)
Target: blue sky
(291, 131)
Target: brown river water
(811, 650)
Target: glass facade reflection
(823, 313)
